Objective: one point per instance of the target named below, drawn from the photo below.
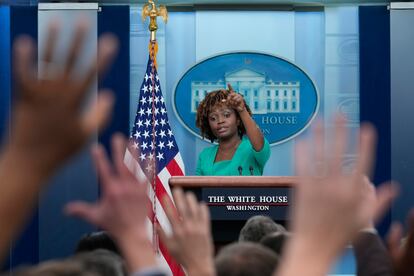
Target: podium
(234, 199)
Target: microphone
(251, 170)
(240, 170)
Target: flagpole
(152, 134)
(150, 10)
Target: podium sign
(234, 199)
(241, 203)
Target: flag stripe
(174, 167)
(162, 263)
(162, 193)
(164, 177)
(175, 268)
(179, 161)
(162, 217)
(161, 190)
(172, 264)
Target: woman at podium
(223, 116)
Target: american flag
(154, 155)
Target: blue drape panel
(115, 19)
(374, 37)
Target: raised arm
(190, 242)
(330, 206)
(236, 101)
(402, 252)
(48, 125)
(122, 209)
(371, 255)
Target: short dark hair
(275, 241)
(246, 259)
(205, 107)
(102, 262)
(52, 268)
(257, 227)
(96, 240)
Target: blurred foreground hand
(47, 124)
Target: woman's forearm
(252, 130)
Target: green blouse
(245, 159)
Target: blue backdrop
(341, 48)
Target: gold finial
(151, 10)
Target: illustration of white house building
(263, 96)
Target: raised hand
(191, 241)
(47, 120)
(380, 198)
(370, 253)
(330, 206)
(47, 124)
(402, 254)
(123, 207)
(235, 100)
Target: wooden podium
(191, 182)
(233, 199)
